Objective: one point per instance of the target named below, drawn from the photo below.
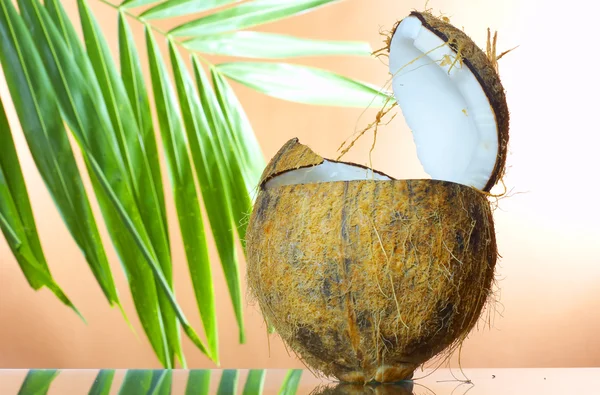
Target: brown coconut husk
(366, 280)
(484, 68)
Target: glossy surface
(440, 382)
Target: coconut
(364, 276)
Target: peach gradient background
(548, 231)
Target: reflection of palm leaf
(254, 382)
(37, 382)
(291, 382)
(160, 382)
(103, 382)
(55, 78)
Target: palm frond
(248, 14)
(16, 217)
(203, 128)
(172, 8)
(249, 44)
(146, 184)
(184, 187)
(290, 82)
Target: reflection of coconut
(401, 388)
(366, 277)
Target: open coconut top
(452, 99)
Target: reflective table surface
(288, 382)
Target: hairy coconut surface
(452, 99)
(367, 279)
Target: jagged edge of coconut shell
(295, 155)
(485, 73)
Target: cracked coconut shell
(437, 125)
(368, 279)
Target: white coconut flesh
(451, 118)
(325, 172)
(452, 121)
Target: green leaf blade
(89, 121)
(162, 382)
(245, 15)
(241, 132)
(15, 205)
(38, 381)
(291, 382)
(133, 152)
(229, 382)
(137, 381)
(173, 8)
(239, 181)
(249, 44)
(50, 148)
(135, 85)
(304, 84)
(255, 382)
(207, 141)
(18, 223)
(91, 125)
(186, 198)
(127, 4)
(198, 382)
(103, 382)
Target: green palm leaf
(53, 78)
(51, 151)
(248, 44)
(291, 382)
(245, 15)
(303, 84)
(37, 382)
(90, 122)
(232, 181)
(240, 130)
(255, 382)
(137, 381)
(186, 198)
(198, 382)
(209, 169)
(102, 383)
(144, 181)
(136, 3)
(133, 79)
(229, 382)
(172, 8)
(17, 222)
(161, 382)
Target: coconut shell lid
(485, 73)
(291, 156)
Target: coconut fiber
(366, 280)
